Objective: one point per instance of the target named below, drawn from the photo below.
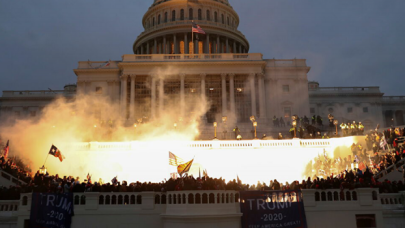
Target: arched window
(148, 24)
(159, 19)
(182, 14)
(199, 14)
(226, 19)
(208, 15)
(174, 15)
(223, 19)
(153, 22)
(165, 17)
(215, 17)
(190, 14)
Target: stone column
(147, 48)
(227, 45)
(164, 45)
(203, 99)
(253, 93)
(174, 44)
(262, 101)
(218, 45)
(234, 47)
(224, 104)
(202, 76)
(153, 99)
(182, 103)
(186, 51)
(154, 46)
(132, 106)
(124, 79)
(161, 96)
(207, 44)
(196, 48)
(232, 93)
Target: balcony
(210, 208)
(38, 93)
(192, 57)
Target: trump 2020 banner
(51, 210)
(268, 209)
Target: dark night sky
(346, 42)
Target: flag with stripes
(174, 160)
(114, 181)
(197, 29)
(56, 153)
(6, 149)
(184, 168)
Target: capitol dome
(168, 24)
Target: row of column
(154, 78)
(163, 46)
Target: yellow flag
(184, 168)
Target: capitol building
(173, 66)
(191, 56)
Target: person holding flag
(114, 181)
(88, 178)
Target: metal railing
(10, 177)
(390, 168)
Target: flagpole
(45, 160)
(192, 35)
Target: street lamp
(224, 118)
(175, 126)
(255, 125)
(336, 122)
(294, 123)
(42, 170)
(252, 118)
(215, 130)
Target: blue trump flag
(267, 209)
(51, 210)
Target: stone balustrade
(215, 144)
(372, 89)
(177, 208)
(8, 205)
(37, 93)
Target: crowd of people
(356, 171)
(54, 184)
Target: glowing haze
(141, 153)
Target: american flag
(114, 181)
(197, 29)
(174, 160)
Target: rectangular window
(365, 221)
(286, 88)
(312, 110)
(33, 113)
(365, 109)
(287, 112)
(349, 110)
(99, 90)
